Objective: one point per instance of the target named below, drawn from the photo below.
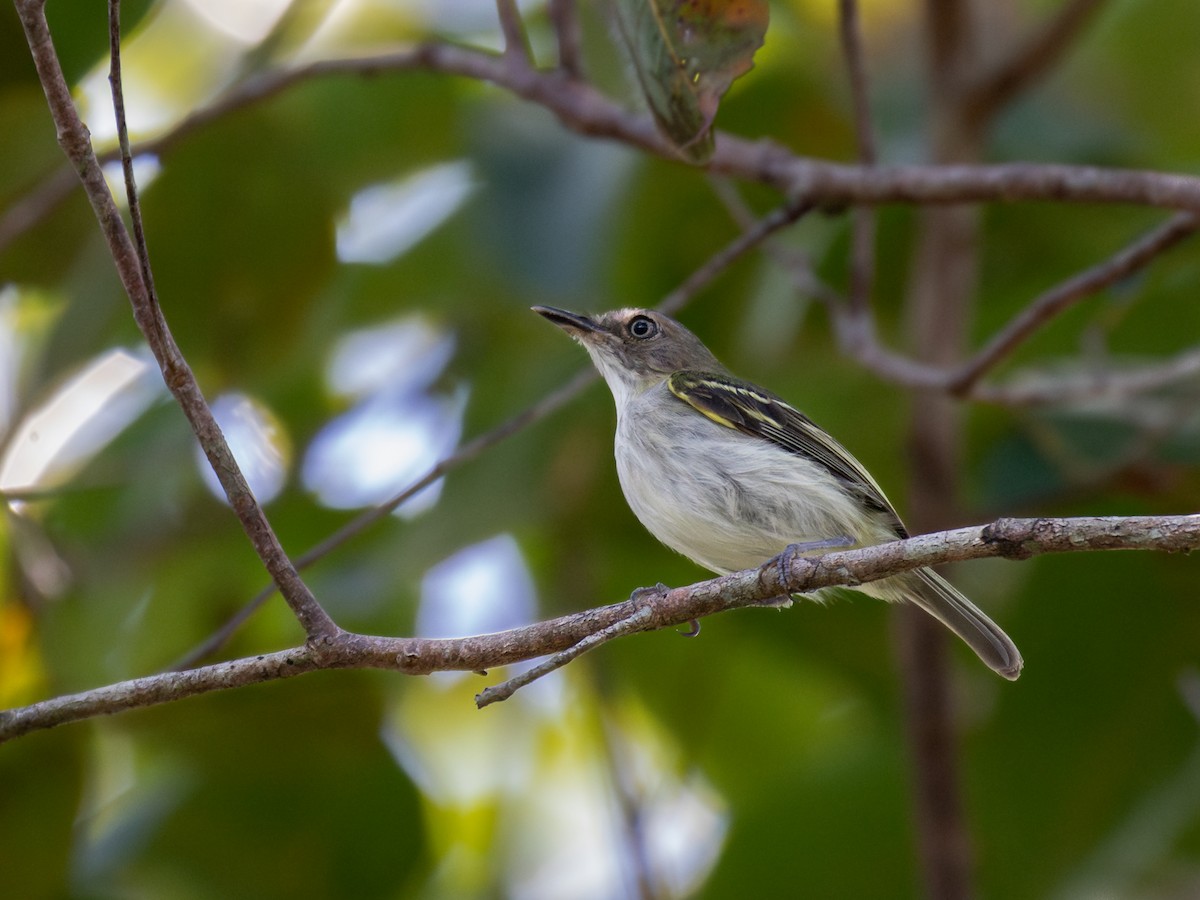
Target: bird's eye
(643, 327)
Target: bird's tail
(940, 599)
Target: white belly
(724, 499)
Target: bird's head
(634, 349)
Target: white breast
(724, 499)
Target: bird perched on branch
(730, 475)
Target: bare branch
(857, 337)
(564, 17)
(1030, 61)
(1008, 538)
(836, 184)
(1050, 389)
(862, 249)
(750, 238)
(1122, 264)
(583, 109)
(131, 191)
(75, 140)
(37, 205)
(850, 32)
(505, 689)
(516, 43)
(631, 795)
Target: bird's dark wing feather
(751, 410)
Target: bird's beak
(572, 323)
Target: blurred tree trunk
(941, 297)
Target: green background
(1080, 780)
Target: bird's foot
(807, 548)
(645, 593)
(783, 601)
(788, 555)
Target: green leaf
(686, 53)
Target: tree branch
(1029, 62)
(516, 44)
(862, 245)
(584, 110)
(1018, 539)
(75, 141)
(36, 205)
(857, 337)
(1043, 390)
(131, 191)
(1122, 264)
(636, 621)
(564, 18)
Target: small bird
(729, 475)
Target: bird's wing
(751, 410)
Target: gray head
(634, 349)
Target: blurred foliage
(777, 737)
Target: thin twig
(516, 43)
(836, 185)
(862, 238)
(850, 32)
(793, 260)
(1054, 301)
(118, 101)
(632, 802)
(584, 110)
(497, 692)
(1030, 61)
(1089, 386)
(36, 205)
(774, 221)
(564, 18)
(1018, 539)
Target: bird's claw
(645, 593)
(788, 554)
(783, 601)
